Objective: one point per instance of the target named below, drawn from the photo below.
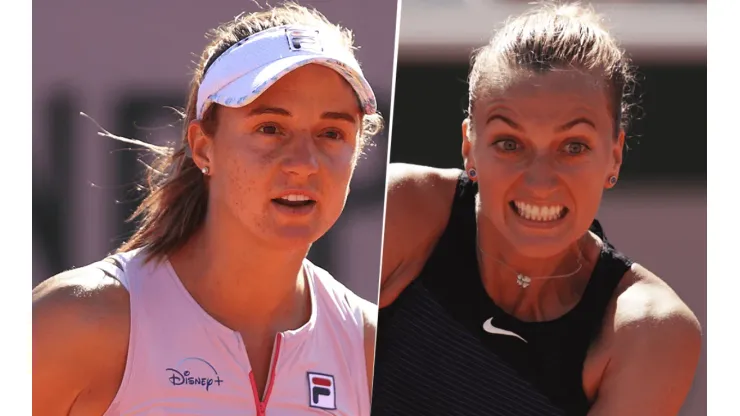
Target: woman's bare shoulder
(417, 210)
(405, 178)
(420, 196)
(80, 336)
(650, 330)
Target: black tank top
(433, 356)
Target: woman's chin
(294, 236)
(540, 243)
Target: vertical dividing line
(399, 8)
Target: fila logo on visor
(321, 391)
(304, 40)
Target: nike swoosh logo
(488, 327)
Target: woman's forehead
(559, 89)
(529, 84)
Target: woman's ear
(467, 134)
(201, 146)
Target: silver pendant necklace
(523, 280)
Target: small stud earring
(612, 180)
(472, 173)
(205, 170)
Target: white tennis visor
(249, 67)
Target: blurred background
(123, 63)
(657, 213)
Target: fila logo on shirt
(321, 391)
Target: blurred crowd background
(657, 213)
(124, 63)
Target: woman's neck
(533, 288)
(500, 254)
(242, 281)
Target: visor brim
(248, 87)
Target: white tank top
(181, 361)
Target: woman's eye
(268, 129)
(507, 145)
(333, 134)
(575, 148)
